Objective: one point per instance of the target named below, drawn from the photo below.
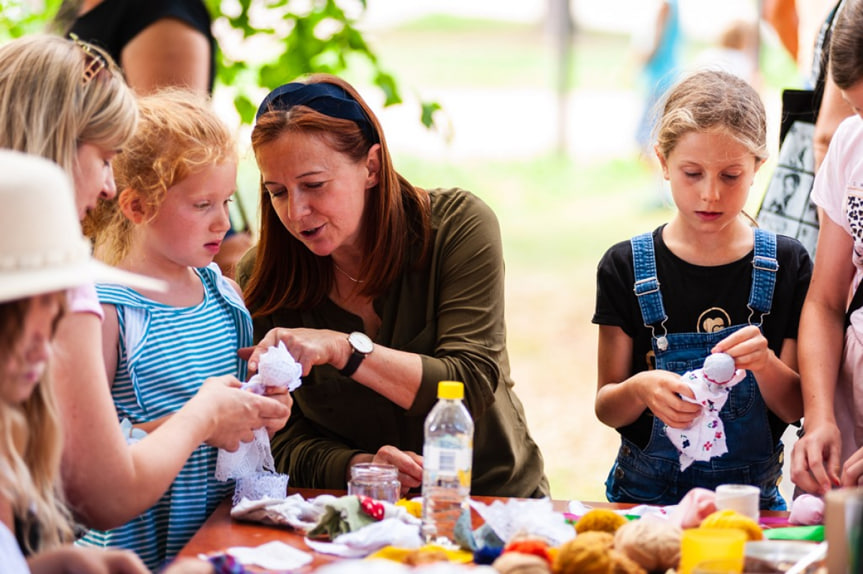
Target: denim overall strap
(646, 286)
(764, 268)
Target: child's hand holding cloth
(277, 369)
(705, 437)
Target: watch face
(361, 342)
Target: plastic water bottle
(447, 462)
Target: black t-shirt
(698, 299)
(113, 23)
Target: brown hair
(178, 135)
(713, 100)
(395, 220)
(738, 35)
(846, 45)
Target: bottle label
(448, 462)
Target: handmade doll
(252, 463)
(705, 437)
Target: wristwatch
(362, 346)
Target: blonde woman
(67, 101)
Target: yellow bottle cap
(450, 390)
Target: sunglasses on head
(94, 62)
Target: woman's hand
(309, 347)
(815, 459)
(661, 391)
(748, 347)
(233, 414)
(409, 465)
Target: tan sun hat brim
(42, 248)
(21, 285)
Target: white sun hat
(42, 248)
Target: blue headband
(328, 99)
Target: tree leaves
(306, 36)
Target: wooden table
(220, 531)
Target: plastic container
(699, 545)
(378, 481)
(776, 556)
(447, 463)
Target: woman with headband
(380, 290)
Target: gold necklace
(346, 274)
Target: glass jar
(377, 481)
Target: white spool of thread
(740, 497)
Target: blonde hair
(48, 109)
(178, 135)
(713, 100)
(31, 445)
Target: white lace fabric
(252, 463)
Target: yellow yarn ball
(587, 553)
(733, 519)
(600, 519)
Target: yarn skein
(653, 544)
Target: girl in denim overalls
(705, 282)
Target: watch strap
(353, 363)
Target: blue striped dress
(165, 354)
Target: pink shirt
(838, 188)
(838, 191)
(84, 299)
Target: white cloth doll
(705, 437)
(253, 461)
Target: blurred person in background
(802, 27)
(158, 43)
(735, 52)
(657, 47)
(810, 117)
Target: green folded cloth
(341, 516)
(815, 533)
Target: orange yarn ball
(532, 547)
(587, 553)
